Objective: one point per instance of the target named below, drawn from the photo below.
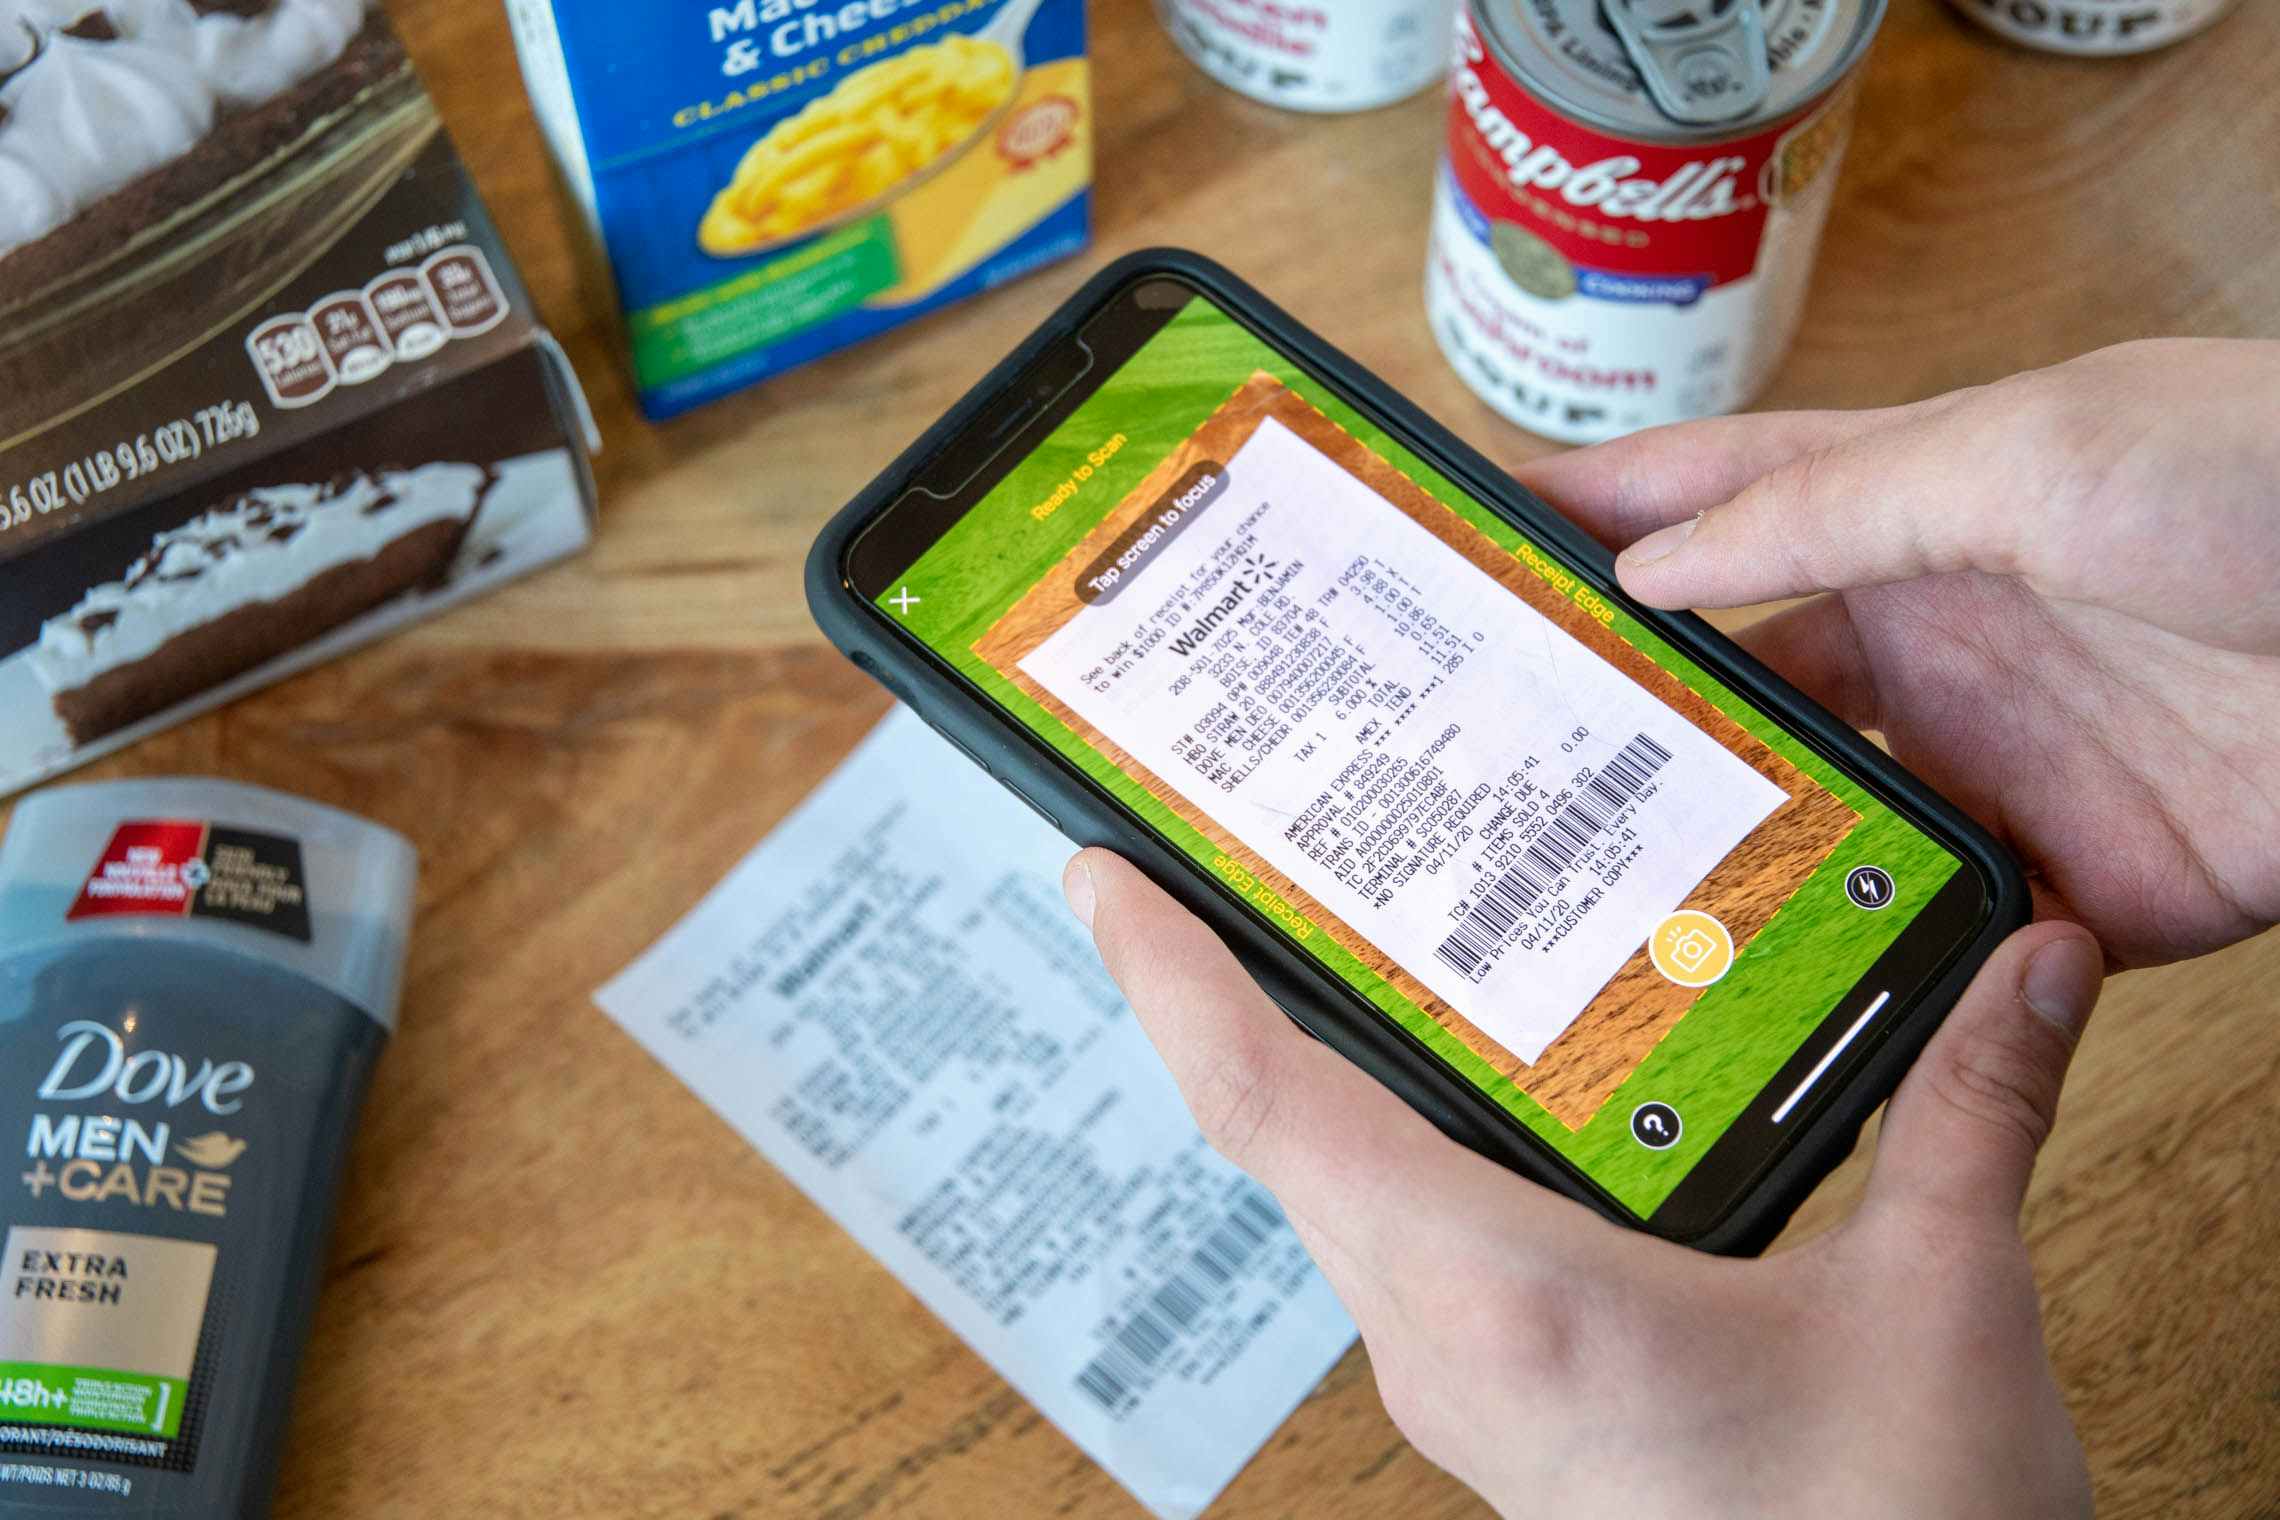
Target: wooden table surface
(561, 1287)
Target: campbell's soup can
(2094, 28)
(1627, 214)
(1315, 55)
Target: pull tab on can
(1703, 61)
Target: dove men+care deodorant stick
(195, 979)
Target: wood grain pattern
(1622, 1025)
(561, 1288)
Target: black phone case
(1323, 1007)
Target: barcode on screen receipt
(1506, 903)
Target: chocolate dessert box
(765, 182)
(269, 384)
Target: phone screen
(1626, 906)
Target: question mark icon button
(1655, 1126)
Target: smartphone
(1586, 885)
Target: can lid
(306, 887)
(1677, 70)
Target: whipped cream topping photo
(257, 549)
(93, 97)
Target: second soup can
(1315, 55)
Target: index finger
(1624, 489)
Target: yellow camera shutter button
(1691, 948)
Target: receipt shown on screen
(1461, 782)
(889, 1000)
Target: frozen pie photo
(251, 580)
(166, 164)
(271, 387)
(100, 95)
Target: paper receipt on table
(889, 999)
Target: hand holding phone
(2112, 543)
(1897, 1357)
(1583, 884)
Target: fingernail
(1077, 887)
(1660, 544)
(2062, 982)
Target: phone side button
(960, 745)
(1300, 1024)
(1028, 801)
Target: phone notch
(1035, 396)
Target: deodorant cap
(345, 929)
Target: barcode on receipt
(1514, 895)
(1137, 1347)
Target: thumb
(1337, 1148)
(1281, 1106)
(1961, 1134)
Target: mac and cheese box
(771, 180)
(270, 385)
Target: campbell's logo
(1696, 191)
(94, 1062)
